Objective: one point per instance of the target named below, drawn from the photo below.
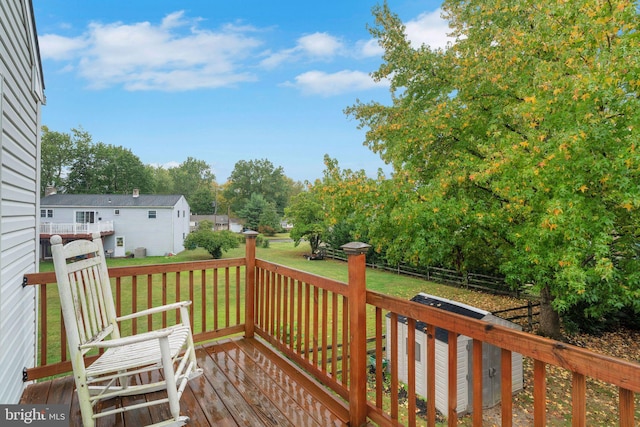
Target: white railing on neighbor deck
(76, 227)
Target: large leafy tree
(260, 214)
(104, 168)
(258, 177)
(59, 150)
(202, 201)
(517, 147)
(193, 177)
(307, 215)
(57, 154)
(161, 179)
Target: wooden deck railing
(75, 227)
(215, 287)
(323, 325)
(305, 317)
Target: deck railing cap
(355, 248)
(251, 234)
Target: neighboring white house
(491, 358)
(221, 222)
(21, 96)
(145, 224)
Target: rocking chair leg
(169, 376)
(124, 380)
(86, 409)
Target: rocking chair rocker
(91, 324)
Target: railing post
(356, 260)
(250, 283)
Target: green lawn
(286, 253)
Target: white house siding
(181, 225)
(159, 236)
(21, 95)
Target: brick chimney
(136, 192)
(50, 190)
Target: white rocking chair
(91, 323)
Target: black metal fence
(527, 315)
(524, 315)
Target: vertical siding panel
(19, 192)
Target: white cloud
(173, 20)
(319, 45)
(275, 59)
(316, 46)
(175, 55)
(57, 47)
(430, 29)
(369, 48)
(326, 84)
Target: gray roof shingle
(111, 200)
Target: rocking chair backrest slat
(93, 297)
(100, 300)
(85, 291)
(77, 300)
(82, 311)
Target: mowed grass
(286, 253)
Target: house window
(116, 211)
(178, 214)
(84, 217)
(152, 214)
(46, 213)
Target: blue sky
(221, 81)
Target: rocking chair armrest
(119, 342)
(154, 310)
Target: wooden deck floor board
(36, 393)
(238, 361)
(244, 383)
(268, 413)
(206, 396)
(293, 384)
(329, 409)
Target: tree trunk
(314, 242)
(549, 318)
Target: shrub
(213, 242)
(261, 242)
(267, 230)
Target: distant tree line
(256, 191)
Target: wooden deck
(245, 383)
